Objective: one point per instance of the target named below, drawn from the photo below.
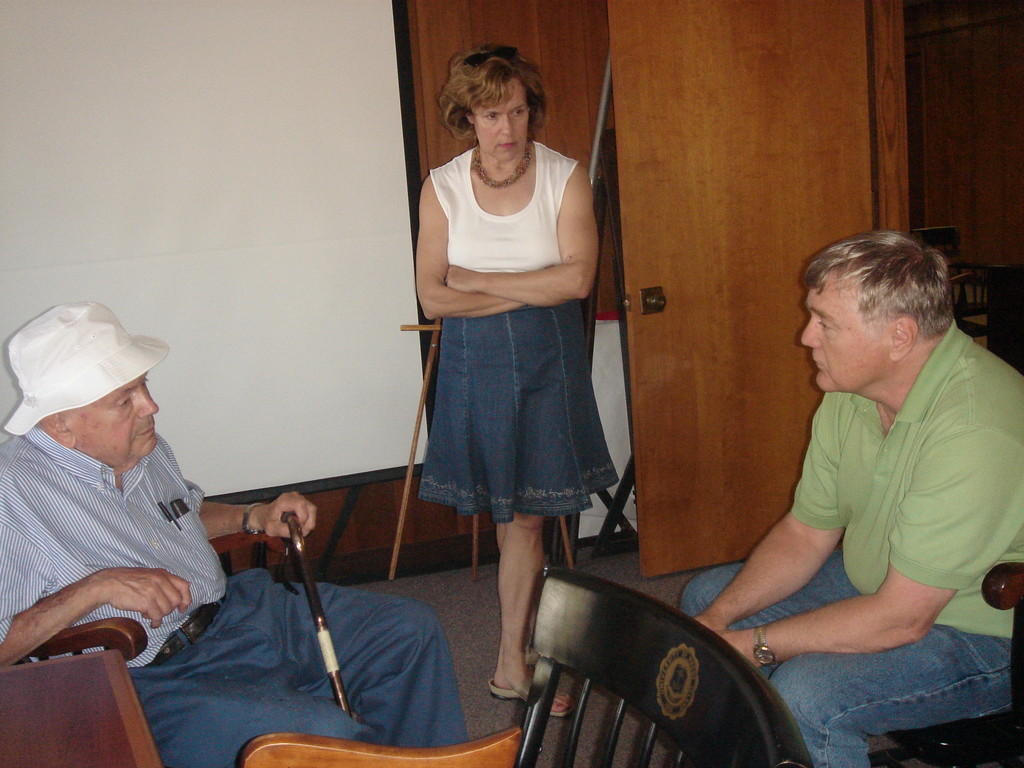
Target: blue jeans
(839, 699)
(258, 669)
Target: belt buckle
(192, 628)
(196, 624)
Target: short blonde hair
(485, 76)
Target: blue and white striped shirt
(63, 518)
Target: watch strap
(245, 520)
(762, 651)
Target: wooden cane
(317, 609)
(431, 356)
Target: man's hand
(268, 516)
(740, 639)
(153, 592)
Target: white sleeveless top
(522, 242)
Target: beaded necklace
(517, 174)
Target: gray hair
(894, 276)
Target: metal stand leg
(614, 518)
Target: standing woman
(507, 247)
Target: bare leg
(521, 559)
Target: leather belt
(189, 632)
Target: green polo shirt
(941, 497)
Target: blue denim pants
(839, 699)
(259, 668)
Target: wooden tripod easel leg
(565, 542)
(428, 370)
(476, 542)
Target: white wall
(228, 176)
(610, 390)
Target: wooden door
(745, 143)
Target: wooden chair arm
(240, 540)
(257, 546)
(120, 634)
(285, 750)
(962, 277)
(1003, 586)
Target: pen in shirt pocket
(178, 508)
(170, 516)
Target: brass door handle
(652, 300)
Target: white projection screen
(228, 175)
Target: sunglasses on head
(506, 52)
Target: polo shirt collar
(934, 375)
(928, 384)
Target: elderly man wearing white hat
(84, 535)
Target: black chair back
(675, 675)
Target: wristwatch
(762, 652)
(245, 520)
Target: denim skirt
(515, 425)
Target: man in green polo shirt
(915, 471)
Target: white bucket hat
(72, 356)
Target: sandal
(511, 694)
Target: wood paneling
(888, 105)
(965, 72)
(567, 39)
(434, 535)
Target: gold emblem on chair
(677, 683)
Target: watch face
(764, 654)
